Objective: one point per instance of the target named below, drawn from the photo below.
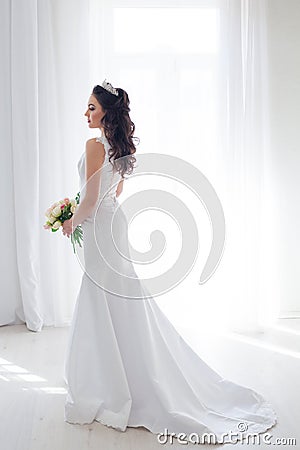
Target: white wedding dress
(126, 365)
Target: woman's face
(94, 113)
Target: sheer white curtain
(44, 86)
(246, 164)
(198, 94)
(20, 164)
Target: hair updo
(118, 128)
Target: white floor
(32, 390)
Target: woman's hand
(67, 227)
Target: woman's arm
(119, 188)
(94, 157)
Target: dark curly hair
(118, 128)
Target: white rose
(73, 202)
(56, 211)
(73, 209)
(52, 219)
(56, 224)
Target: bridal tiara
(108, 87)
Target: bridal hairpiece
(106, 85)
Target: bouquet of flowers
(61, 211)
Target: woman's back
(109, 177)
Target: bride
(126, 365)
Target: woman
(126, 364)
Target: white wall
(284, 51)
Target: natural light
(182, 30)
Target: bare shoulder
(94, 149)
(94, 145)
(95, 155)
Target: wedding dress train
(127, 366)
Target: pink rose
(66, 200)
